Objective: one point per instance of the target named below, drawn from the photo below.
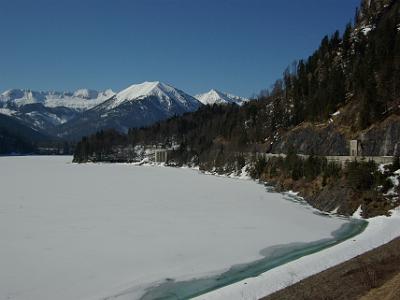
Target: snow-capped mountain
(45, 111)
(81, 99)
(83, 112)
(167, 95)
(72, 115)
(217, 97)
(136, 106)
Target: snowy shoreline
(380, 230)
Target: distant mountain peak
(163, 91)
(86, 94)
(215, 96)
(139, 90)
(81, 99)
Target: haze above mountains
(71, 115)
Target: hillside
(370, 276)
(17, 138)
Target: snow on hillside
(6, 111)
(164, 92)
(86, 94)
(81, 99)
(217, 97)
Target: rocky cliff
(312, 139)
(380, 139)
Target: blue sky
(239, 46)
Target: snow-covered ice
(94, 231)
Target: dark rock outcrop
(310, 139)
(382, 139)
(332, 197)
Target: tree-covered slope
(17, 138)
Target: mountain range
(71, 115)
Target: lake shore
(380, 231)
(367, 276)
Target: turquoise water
(273, 256)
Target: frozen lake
(91, 231)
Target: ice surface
(100, 230)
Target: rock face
(382, 139)
(309, 139)
(331, 198)
(371, 9)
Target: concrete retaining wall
(341, 160)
